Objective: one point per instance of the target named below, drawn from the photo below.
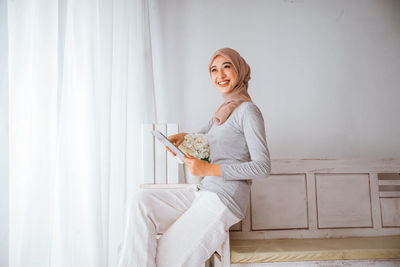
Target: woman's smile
(223, 83)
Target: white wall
(3, 137)
(325, 74)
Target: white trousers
(194, 224)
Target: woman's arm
(260, 164)
(202, 168)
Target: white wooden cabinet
(324, 198)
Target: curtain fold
(4, 181)
(80, 85)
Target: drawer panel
(279, 202)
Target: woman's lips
(223, 83)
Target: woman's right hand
(176, 139)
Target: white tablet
(163, 139)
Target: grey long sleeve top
(239, 145)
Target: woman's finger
(167, 148)
(189, 159)
(186, 160)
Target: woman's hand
(176, 139)
(200, 167)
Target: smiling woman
(194, 220)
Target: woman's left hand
(197, 166)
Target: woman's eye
(227, 66)
(213, 70)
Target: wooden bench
(316, 201)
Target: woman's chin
(224, 90)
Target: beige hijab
(239, 93)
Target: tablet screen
(163, 139)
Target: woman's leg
(150, 212)
(197, 234)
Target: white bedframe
(303, 198)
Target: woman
(194, 220)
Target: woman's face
(223, 74)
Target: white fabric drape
(80, 85)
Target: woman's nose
(221, 74)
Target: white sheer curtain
(80, 85)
